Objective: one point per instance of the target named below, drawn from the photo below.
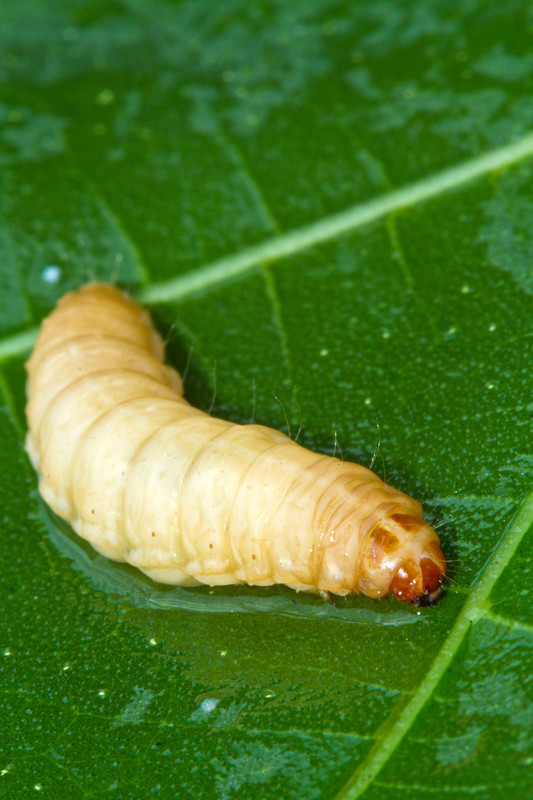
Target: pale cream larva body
(188, 498)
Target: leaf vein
(322, 230)
(476, 607)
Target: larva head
(405, 552)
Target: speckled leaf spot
(188, 498)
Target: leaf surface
(327, 207)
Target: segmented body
(188, 498)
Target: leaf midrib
(476, 607)
(275, 248)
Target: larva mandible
(187, 498)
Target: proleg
(189, 498)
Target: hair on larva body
(188, 498)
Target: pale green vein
(255, 192)
(394, 238)
(18, 344)
(476, 607)
(10, 405)
(277, 316)
(413, 788)
(124, 240)
(278, 247)
(310, 734)
(250, 183)
(475, 500)
(286, 244)
(511, 624)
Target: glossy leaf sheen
(329, 207)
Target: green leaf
(327, 206)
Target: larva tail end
(421, 582)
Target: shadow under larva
(123, 581)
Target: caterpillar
(187, 498)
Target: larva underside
(187, 498)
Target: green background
(328, 206)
